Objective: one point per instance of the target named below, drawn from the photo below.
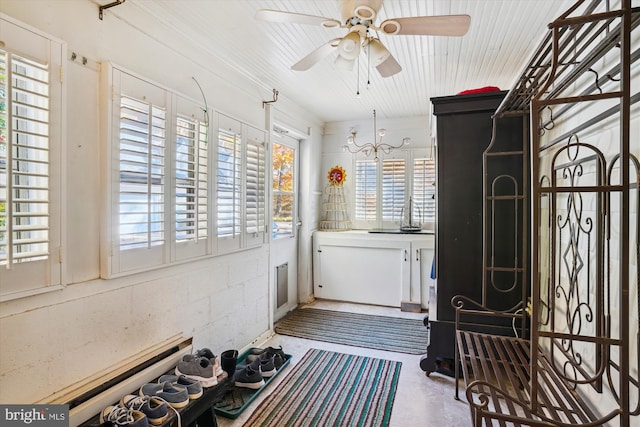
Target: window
(159, 189)
(366, 190)
(30, 115)
(142, 174)
(382, 189)
(191, 193)
(192, 183)
(255, 202)
(137, 156)
(424, 188)
(229, 183)
(178, 190)
(241, 191)
(283, 158)
(393, 189)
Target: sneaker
(205, 352)
(278, 358)
(265, 353)
(265, 366)
(194, 388)
(119, 416)
(269, 350)
(154, 408)
(174, 395)
(278, 361)
(249, 378)
(200, 369)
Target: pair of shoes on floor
(194, 387)
(202, 366)
(267, 353)
(119, 416)
(262, 363)
(154, 408)
(175, 395)
(267, 365)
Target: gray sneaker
(200, 369)
(119, 416)
(194, 388)
(205, 352)
(174, 395)
(265, 366)
(153, 407)
(249, 378)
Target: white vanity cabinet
(373, 268)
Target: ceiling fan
(358, 17)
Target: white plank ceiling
(502, 36)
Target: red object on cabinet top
(479, 90)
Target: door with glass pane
(284, 230)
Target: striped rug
(360, 330)
(331, 389)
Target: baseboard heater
(90, 396)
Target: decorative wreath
(336, 175)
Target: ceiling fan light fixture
(349, 46)
(330, 23)
(344, 64)
(365, 12)
(390, 27)
(379, 53)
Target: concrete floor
(420, 401)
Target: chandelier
(369, 148)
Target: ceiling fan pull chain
(358, 80)
(368, 64)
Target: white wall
(51, 341)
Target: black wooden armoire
(473, 220)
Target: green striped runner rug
(360, 330)
(331, 389)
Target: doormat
(360, 330)
(331, 389)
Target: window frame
(44, 275)
(117, 81)
(379, 220)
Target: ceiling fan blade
(295, 18)
(389, 67)
(444, 25)
(317, 55)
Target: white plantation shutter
(24, 164)
(366, 190)
(383, 188)
(424, 189)
(138, 190)
(30, 135)
(162, 208)
(255, 198)
(191, 192)
(393, 189)
(142, 173)
(229, 182)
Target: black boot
(228, 360)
